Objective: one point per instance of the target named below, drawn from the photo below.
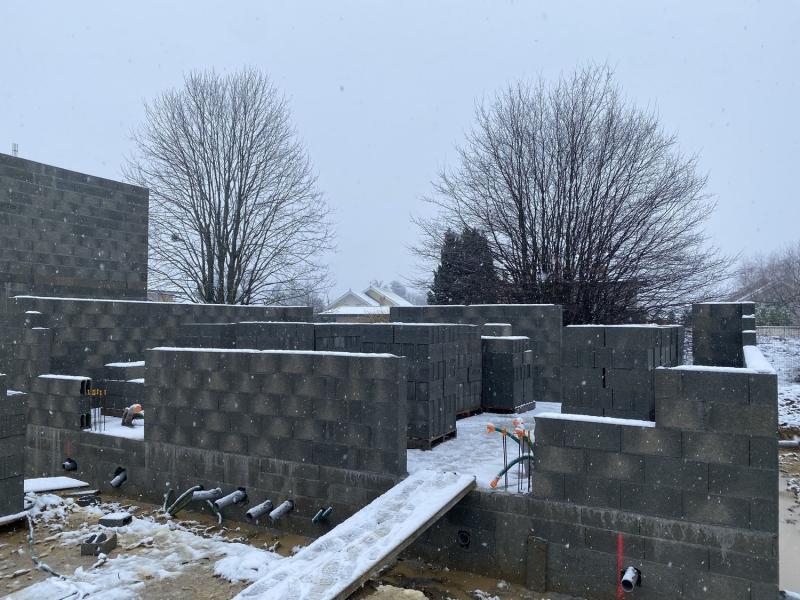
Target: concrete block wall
(249, 334)
(70, 234)
(82, 336)
(718, 332)
(542, 323)
(507, 381)
(444, 369)
(12, 450)
(691, 500)
(607, 370)
(315, 427)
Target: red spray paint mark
(68, 448)
(620, 552)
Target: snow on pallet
(339, 562)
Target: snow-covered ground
(152, 550)
(475, 450)
(784, 355)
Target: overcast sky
(381, 92)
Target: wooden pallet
(469, 413)
(420, 444)
(511, 411)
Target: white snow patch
(115, 428)
(135, 363)
(755, 360)
(51, 484)
(476, 451)
(70, 377)
(592, 419)
(165, 549)
(137, 380)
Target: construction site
(171, 450)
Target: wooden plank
(338, 563)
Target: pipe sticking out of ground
(212, 494)
(283, 508)
(235, 497)
(120, 476)
(259, 510)
(630, 579)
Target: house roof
(357, 310)
(393, 299)
(372, 298)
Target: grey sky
(382, 91)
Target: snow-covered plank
(51, 484)
(339, 562)
(13, 518)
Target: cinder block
(652, 500)
(651, 441)
(716, 448)
(716, 510)
(676, 473)
(614, 465)
(689, 557)
(592, 435)
(742, 482)
(558, 460)
(589, 491)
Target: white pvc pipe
(201, 495)
(119, 478)
(233, 498)
(259, 510)
(283, 508)
(793, 443)
(629, 579)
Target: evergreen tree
(466, 273)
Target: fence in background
(779, 331)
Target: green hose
(183, 500)
(494, 481)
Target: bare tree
(773, 281)
(235, 215)
(586, 202)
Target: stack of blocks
(542, 323)
(444, 369)
(607, 370)
(507, 374)
(12, 448)
(719, 330)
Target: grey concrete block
(652, 500)
(592, 435)
(742, 482)
(716, 448)
(651, 441)
(589, 491)
(676, 473)
(615, 465)
(716, 510)
(559, 460)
